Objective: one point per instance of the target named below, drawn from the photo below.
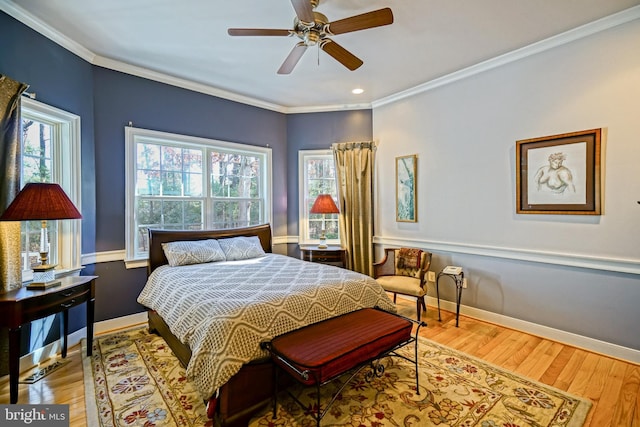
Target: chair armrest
(386, 266)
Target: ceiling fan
(313, 28)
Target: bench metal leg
(275, 390)
(415, 360)
(320, 415)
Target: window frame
(134, 135)
(303, 191)
(67, 171)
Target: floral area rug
(135, 380)
(455, 390)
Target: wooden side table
(24, 305)
(332, 255)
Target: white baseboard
(53, 349)
(119, 323)
(624, 353)
(586, 343)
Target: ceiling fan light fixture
(311, 38)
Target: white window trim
(67, 173)
(303, 218)
(132, 135)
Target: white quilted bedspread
(223, 310)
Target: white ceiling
(185, 42)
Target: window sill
(136, 263)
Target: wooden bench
(319, 353)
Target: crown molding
(327, 108)
(41, 27)
(577, 33)
(582, 31)
(184, 84)
(37, 25)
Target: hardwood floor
(612, 385)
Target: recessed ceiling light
(357, 91)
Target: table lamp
(41, 201)
(324, 204)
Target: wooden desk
(331, 255)
(23, 305)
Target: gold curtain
(354, 168)
(10, 265)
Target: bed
(214, 314)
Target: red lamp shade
(324, 204)
(41, 201)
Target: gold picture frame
(559, 174)
(406, 186)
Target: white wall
(465, 133)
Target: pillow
(193, 252)
(237, 248)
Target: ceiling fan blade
(304, 11)
(341, 54)
(294, 56)
(377, 18)
(257, 32)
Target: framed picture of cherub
(559, 174)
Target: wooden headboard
(158, 237)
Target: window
(51, 153)
(317, 176)
(188, 183)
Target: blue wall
(326, 128)
(107, 100)
(63, 80)
(60, 79)
(121, 98)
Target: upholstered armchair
(404, 271)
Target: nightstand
(25, 305)
(331, 255)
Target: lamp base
(43, 285)
(44, 277)
(323, 241)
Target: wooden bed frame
(252, 387)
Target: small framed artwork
(406, 203)
(559, 174)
